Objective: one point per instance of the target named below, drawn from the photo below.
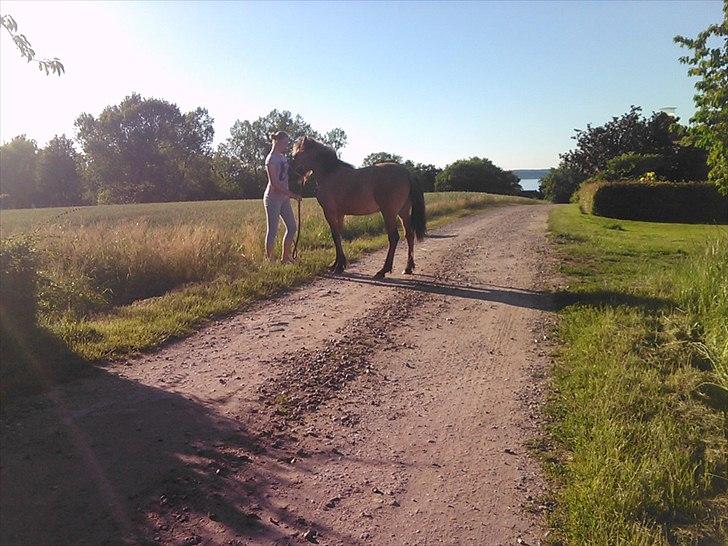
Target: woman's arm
(273, 170)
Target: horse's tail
(419, 219)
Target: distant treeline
(146, 150)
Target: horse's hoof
(407, 271)
(338, 270)
(379, 274)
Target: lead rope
(298, 232)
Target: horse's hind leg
(390, 223)
(409, 234)
(336, 223)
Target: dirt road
(349, 411)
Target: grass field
(124, 278)
(638, 420)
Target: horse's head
(310, 155)
(304, 157)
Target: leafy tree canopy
(239, 162)
(710, 123)
(627, 133)
(58, 182)
(560, 183)
(659, 135)
(144, 150)
(249, 141)
(381, 157)
(17, 172)
(477, 174)
(424, 174)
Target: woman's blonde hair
(279, 135)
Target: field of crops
(120, 278)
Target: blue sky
(431, 81)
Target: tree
(232, 179)
(560, 183)
(477, 174)
(18, 160)
(380, 157)
(21, 42)
(145, 150)
(196, 155)
(336, 138)
(250, 141)
(631, 133)
(627, 133)
(424, 175)
(242, 156)
(686, 164)
(710, 122)
(633, 165)
(58, 182)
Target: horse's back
(387, 168)
(386, 175)
(390, 184)
(383, 186)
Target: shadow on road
(107, 460)
(531, 299)
(441, 235)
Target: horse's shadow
(518, 297)
(441, 235)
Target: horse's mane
(324, 155)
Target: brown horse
(343, 189)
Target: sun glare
(96, 50)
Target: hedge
(18, 283)
(18, 287)
(30, 357)
(691, 202)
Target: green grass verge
(197, 261)
(637, 412)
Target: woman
(277, 197)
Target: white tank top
(282, 163)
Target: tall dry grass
(108, 265)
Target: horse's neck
(329, 186)
(330, 178)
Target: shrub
(18, 284)
(633, 165)
(696, 202)
(30, 356)
(560, 184)
(477, 174)
(683, 164)
(585, 196)
(18, 289)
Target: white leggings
(278, 206)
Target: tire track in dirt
(349, 411)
